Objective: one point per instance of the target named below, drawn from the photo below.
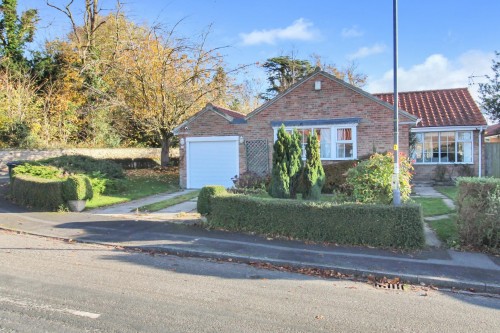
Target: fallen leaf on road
(319, 317)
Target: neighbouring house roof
(492, 130)
(228, 112)
(436, 108)
(230, 115)
(318, 72)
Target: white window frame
(440, 130)
(333, 138)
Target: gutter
(480, 143)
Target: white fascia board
(446, 129)
(213, 138)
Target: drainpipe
(480, 152)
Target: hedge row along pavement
(349, 224)
(478, 202)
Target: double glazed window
(443, 147)
(335, 142)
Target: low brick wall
(9, 155)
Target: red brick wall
(374, 132)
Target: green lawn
(446, 230)
(138, 184)
(450, 191)
(433, 206)
(154, 207)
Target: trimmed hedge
(37, 192)
(478, 202)
(352, 224)
(77, 187)
(203, 205)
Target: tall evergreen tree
(280, 179)
(314, 175)
(295, 162)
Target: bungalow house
(216, 144)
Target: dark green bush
(85, 164)
(280, 173)
(353, 224)
(478, 202)
(205, 197)
(37, 170)
(37, 192)
(336, 175)
(77, 187)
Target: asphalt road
(48, 285)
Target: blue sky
(441, 42)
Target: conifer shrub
(314, 175)
(203, 204)
(280, 176)
(295, 162)
(371, 180)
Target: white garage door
(212, 161)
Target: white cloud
(438, 72)
(299, 30)
(367, 51)
(351, 32)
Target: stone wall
(9, 155)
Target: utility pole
(396, 193)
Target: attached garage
(212, 160)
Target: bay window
(443, 147)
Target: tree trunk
(165, 148)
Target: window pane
(344, 150)
(431, 147)
(464, 152)
(464, 136)
(325, 146)
(344, 134)
(418, 153)
(447, 147)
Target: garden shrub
(249, 182)
(371, 180)
(203, 204)
(37, 170)
(336, 175)
(295, 162)
(77, 187)
(280, 177)
(314, 175)
(85, 164)
(478, 205)
(353, 224)
(37, 192)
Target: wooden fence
(492, 151)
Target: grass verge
(450, 191)
(433, 206)
(446, 230)
(138, 184)
(154, 207)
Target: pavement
(180, 231)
